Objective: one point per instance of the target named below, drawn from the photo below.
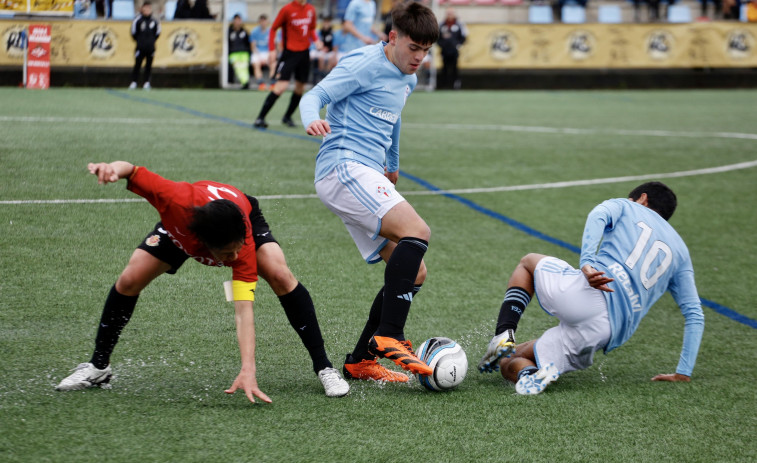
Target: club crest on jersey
(153, 240)
(384, 191)
(407, 92)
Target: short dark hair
(237, 16)
(417, 21)
(146, 3)
(218, 223)
(262, 17)
(660, 198)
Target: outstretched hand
(596, 279)
(674, 378)
(249, 385)
(104, 171)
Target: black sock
(374, 318)
(516, 300)
(270, 100)
(293, 104)
(399, 281)
(299, 309)
(116, 314)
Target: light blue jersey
(259, 37)
(645, 255)
(365, 94)
(362, 14)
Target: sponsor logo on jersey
(384, 114)
(625, 281)
(153, 240)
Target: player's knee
(129, 284)
(281, 279)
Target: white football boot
(333, 382)
(537, 382)
(85, 375)
(501, 345)
(132, 86)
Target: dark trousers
(449, 74)
(139, 56)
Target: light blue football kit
(362, 14)
(365, 94)
(259, 37)
(645, 256)
(366, 126)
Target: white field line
(106, 120)
(534, 186)
(572, 131)
(504, 128)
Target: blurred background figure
(239, 52)
(452, 34)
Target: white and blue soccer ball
(448, 361)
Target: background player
(356, 169)
(297, 19)
(630, 255)
(216, 225)
(358, 26)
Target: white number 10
(657, 247)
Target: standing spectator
(259, 42)
(452, 34)
(239, 51)
(297, 19)
(358, 25)
(145, 30)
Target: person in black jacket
(145, 30)
(452, 34)
(239, 52)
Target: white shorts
(259, 57)
(360, 196)
(584, 328)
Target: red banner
(38, 56)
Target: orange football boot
(370, 369)
(399, 352)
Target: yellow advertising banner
(45, 7)
(104, 43)
(109, 44)
(599, 46)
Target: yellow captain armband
(240, 290)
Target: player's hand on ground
(249, 385)
(104, 171)
(597, 279)
(674, 378)
(318, 127)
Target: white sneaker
(333, 382)
(132, 86)
(146, 86)
(85, 375)
(537, 382)
(501, 345)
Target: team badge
(383, 191)
(153, 240)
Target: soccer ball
(448, 361)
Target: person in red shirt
(297, 20)
(216, 225)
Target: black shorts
(160, 246)
(294, 62)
